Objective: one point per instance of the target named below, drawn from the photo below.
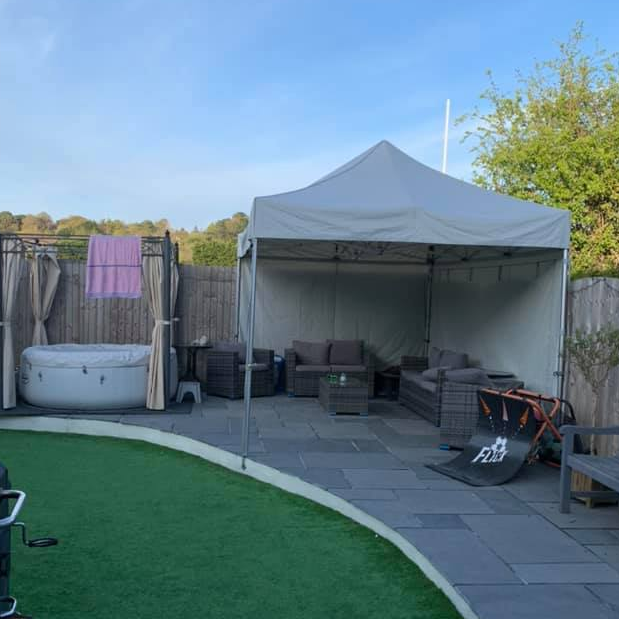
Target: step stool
(189, 386)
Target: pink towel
(114, 268)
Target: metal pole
(560, 373)
(166, 288)
(238, 300)
(445, 137)
(429, 283)
(250, 349)
(2, 254)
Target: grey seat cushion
(349, 368)
(471, 376)
(238, 347)
(346, 352)
(258, 367)
(432, 373)
(454, 360)
(313, 368)
(311, 353)
(419, 380)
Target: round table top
(193, 345)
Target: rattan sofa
(225, 373)
(304, 379)
(453, 406)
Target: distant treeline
(214, 246)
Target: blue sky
(186, 109)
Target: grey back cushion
(434, 357)
(346, 352)
(471, 376)
(454, 360)
(238, 347)
(311, 353)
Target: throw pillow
(311, 353)
(454, 360)
(434, 357)
(346, 352)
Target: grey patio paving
(506, 549)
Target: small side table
(391, 380)
(189, 382)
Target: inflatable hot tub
(88, 376)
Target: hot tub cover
(89, 355)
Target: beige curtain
(44, 278)
(152, 276)
(12, 265)
(173, 298)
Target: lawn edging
(260, 472)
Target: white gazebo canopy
(388, 250)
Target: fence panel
(594, 302)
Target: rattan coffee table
(350, 397)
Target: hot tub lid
(89, 355)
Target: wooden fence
(593, 303)
(205, 306)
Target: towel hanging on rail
(114, 267)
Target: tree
(595, 354)
(8, 222)
(213, 252)
(229, 228)
(554, 141)
(41, 223)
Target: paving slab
(392, 513)
(371, 494)
(527, 539)
(557, 573)
(441, 521)
(594, 536)
(279, 460)
(502, 502)
(371, 478)
(325, 478)
(351, 430)
(535, 483)
(419, 455)
(413, 427)
(609, 554)
(443, 502)
(536, 602)
(369, 445)
(156, 421)
(300, 431)
(609, 594)
(460, 556)
(580, 516)
(219, 424)
(351, 461)
(278, 445)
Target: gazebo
(388, 250)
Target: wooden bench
(604, 469)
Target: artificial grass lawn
(149, 532)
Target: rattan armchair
(225, 375)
